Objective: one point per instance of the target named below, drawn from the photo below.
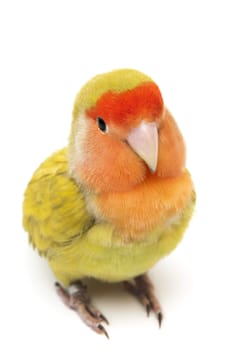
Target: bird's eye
(102, 125)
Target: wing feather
(54, 210)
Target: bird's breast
(153, 204)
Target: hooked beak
(144, 141)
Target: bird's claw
(78, 300)
(101, 330)
(160, 318)
(143, 290)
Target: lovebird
(117, 199)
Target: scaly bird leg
(143, 289)
(76, 297)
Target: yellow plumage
(60, 227)
(118, 198)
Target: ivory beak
(144, 141)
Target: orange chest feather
(146, 207)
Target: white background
(48, 50)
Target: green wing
(54, 210)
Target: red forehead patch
(129, 106)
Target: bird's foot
(142, 288)
(76, 298)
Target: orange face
(105, 160)
(106, 163)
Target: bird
(115, 200)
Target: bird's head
(114, 141)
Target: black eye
(102, 125)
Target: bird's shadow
(109, 292)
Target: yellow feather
(54, 207)
(76, 243)
(60, 227)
